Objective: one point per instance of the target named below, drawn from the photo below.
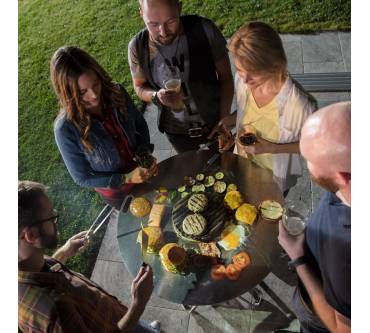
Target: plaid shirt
(65, 301)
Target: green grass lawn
(104, 28)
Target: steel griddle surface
(197, 287)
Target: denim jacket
(100, 167)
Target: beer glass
(172, 82)
(295, 216)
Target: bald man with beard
(196, 48)
(322, 256)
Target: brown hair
(66, 66)
(29, 202)
(259, 48)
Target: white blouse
(294, 106)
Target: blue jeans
(143, 327)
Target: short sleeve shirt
(177, 54)
(328, 236)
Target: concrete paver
(324, 67)
(325, 52)
(293, 50)
(109, 249)
(345, 43)
(219, 319)
(321, 47)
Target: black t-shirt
(328, 236)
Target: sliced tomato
(241, 259)
(218, 272)
(233, 272)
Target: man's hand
(170, 98)
(142, 288)
(223, 126)
(293, 245)
(75, 244)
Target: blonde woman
(269, 103)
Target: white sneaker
(156, 325)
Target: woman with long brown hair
(98, 130)
(270, 105)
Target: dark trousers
(310, 322)
(183, 143)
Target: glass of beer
(247, 135)
(295, 216)
(172, 82)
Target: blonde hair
(67, 65)
(259, 49)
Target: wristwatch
(293, 264)
(155, 99)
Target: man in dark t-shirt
(322, 256)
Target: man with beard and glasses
(193, 49)
(52, 298)
(322, 256)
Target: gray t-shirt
(177, 54)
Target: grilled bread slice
(209, 249)
(156, 215)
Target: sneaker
(156, 325)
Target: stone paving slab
(324, 67)
(109, 249)
(116, 279)
(293, 50)
(321, 48)
(172, 321)
(219, 319)
(323, 52)
(345, 43)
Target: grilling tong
(106, 212)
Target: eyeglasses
(53, 218)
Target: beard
(49, 242)
(326, 183)
(169, 39)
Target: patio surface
(325, 52)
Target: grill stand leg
(188, 308)
(256, 297)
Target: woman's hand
(141, 175)
(261, 146)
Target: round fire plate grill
(215, 214)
